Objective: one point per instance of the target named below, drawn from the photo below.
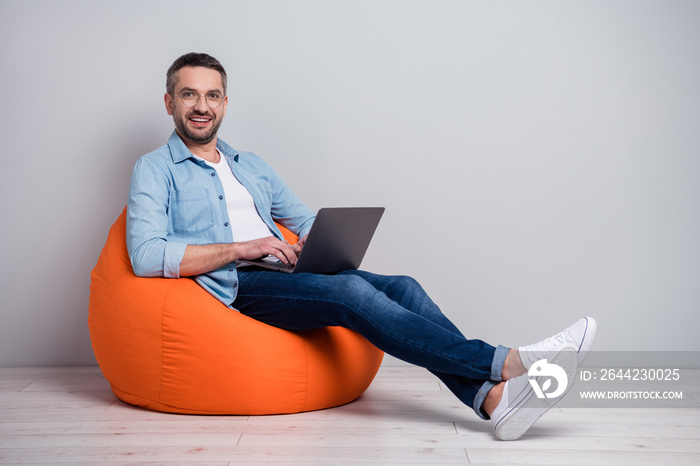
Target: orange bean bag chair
(168, 345)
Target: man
(196, 206)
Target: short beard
(194, 138)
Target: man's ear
(168, 103)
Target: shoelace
(543, 345)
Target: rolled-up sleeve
(151, 254)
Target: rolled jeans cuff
(499, 360)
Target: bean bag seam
(306, 388)
(175, 407)
(162, 343)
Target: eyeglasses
(190, 99)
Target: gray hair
(193, 59)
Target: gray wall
(548, 151)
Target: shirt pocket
(192, 211)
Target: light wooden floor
(69, 415)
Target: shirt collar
(180, 152)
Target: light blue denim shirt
(176, 200)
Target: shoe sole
(528, 408)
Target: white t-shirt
(244, 220)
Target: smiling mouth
(199, 121)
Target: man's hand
(299, 245)
(264, 247)
(204, 258)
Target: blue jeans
(393, 312)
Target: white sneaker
(521, 405)
(578, 337)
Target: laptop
(338, 241)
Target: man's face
(197, 125)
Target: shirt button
(220, 197)
(235, 285)
(225, 224)
(213, 174)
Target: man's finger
(288, 256)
